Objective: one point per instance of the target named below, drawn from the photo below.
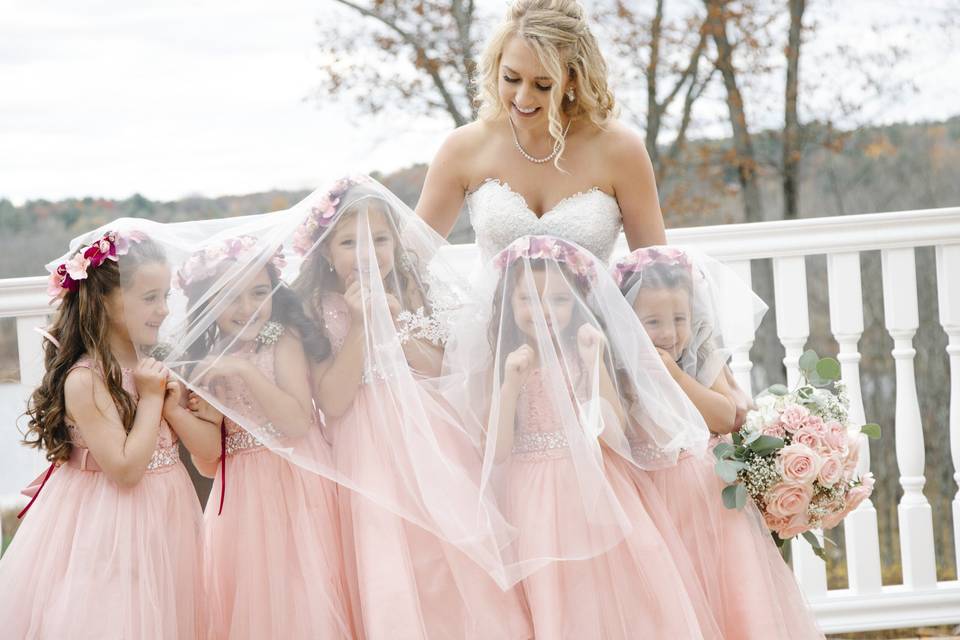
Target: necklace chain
(556, 144)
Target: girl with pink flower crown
(421, 547)
(273, 548)
(111, 546)
(595, 551)
(677, 296)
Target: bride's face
(524, 85)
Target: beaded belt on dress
(243, 440)
(528, 442)
(80, 458)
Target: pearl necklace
(556, 144)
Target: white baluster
(846, 321)
(740, 345)
(793, 329)
(948, 284)
(915, 515)
(30, 348)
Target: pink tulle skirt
(752, 592)
(633, 590)
(92, 559)
(273, 567)
(404, 581)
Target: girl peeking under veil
(596, 552)
(695, 310)
(410, 509)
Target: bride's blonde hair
(558, 33)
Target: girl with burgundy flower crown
(273, 563)
(111, 545)
(694, 310)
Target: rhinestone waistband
(243, 440)
(164, 457)
(538, 441)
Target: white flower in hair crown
(67, 275)
(209, 261)
(549, 248)
(323, 212)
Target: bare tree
(791, 122)
(418, 55)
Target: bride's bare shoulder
(621, 140)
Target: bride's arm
(445, 185)
(635, 187)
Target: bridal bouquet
(796, 455)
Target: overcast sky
(109, 98)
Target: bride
(547, 154)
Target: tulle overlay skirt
(634, 590)
(751, 590)
(273, 565)
(404, 582)
(92, 559)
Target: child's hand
(589, 341)
(353, 296)
(518, 364)
(670, 363)
(203, 409)
(150, 377)
(174, 392)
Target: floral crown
(323, 213)
(643, 258)
(67, 275)
(208, 262)
(549, 248)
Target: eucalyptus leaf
(740, 496)
(723, 450)
(778, 390)
(737, 438)
(726, 470)
(808, 361)
(766, 444)
(729, 495)
(810, 537)
(872, 430)
(828, 369)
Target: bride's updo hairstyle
(558, 33)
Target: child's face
(348, 250)
(143, 303)
(556, 299)
(246, 314)
(665, 314)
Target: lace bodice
(536, 435)
(167, 437)
(235, 394)
(336, 319)
(500, 215)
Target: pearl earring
(571, 96)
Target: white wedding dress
(500, 215)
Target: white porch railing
(867, 604)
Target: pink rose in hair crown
(323, 212)
(642, 258)
(549, 248)
(213, 259)
(67, 276)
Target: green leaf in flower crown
(734, 496)
(723, 450)
(778, 390)
(810, 537)
(766, 444)
(828, 369)
(808, 361)
(872, 430)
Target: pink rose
(831, 471)
(55, 284)
(860, 493)
(776, 430)
(853, 454)
(809, 437)
(788, 499)
(815, 424)
(836, 436)
(774, 523)
(77, 267)
(795, 526)
(799, 463)
(793, 416)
